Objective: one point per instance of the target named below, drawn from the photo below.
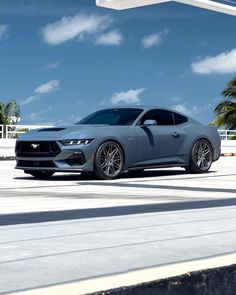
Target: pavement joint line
(124, 245)
(133, 277)
(114, 230)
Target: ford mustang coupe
(112, 141)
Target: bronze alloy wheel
(109, 160)
(202, 154)
(201, 157)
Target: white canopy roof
(207, 4)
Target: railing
(14, 131)
(227, 134)
(1, 131)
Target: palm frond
(230, 90)
(219, 122)
(226, 119)
(230, 119)
(224, 106)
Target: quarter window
(179, 119)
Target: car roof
(145, 108)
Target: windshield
(121, 116)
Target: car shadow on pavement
(133, 175)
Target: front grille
(37, 149)
(35, 164)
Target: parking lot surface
(71, 228)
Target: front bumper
(67, 158)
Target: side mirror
(149, 123)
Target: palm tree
(225, 111)
(9, 112)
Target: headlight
(76, 141)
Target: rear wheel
(109, 160)
(201, 157)
(41, 174)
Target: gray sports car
(112, 141)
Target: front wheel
(109, 160)
(41, 174)
(200, 158)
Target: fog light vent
(76, 159)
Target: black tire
(41, 174)
(201, 157)
(109, 160)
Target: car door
(160, 143)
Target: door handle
(175, 134)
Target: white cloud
(77, 27)
(29, 99)
(111, 38)
(48, 87)
(154, 39)
(3, 30)
(37, 116)
(224, 63)
(176, 99)
(129, 97)
(186, 109)
(53, 65)
(71, 120)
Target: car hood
(65, 132)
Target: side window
(162, 117)
(179, 119)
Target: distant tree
(9, 112)
(225, 111)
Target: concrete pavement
(68, 230)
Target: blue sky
(62, 59)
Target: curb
(208, 282)
(116, 284)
